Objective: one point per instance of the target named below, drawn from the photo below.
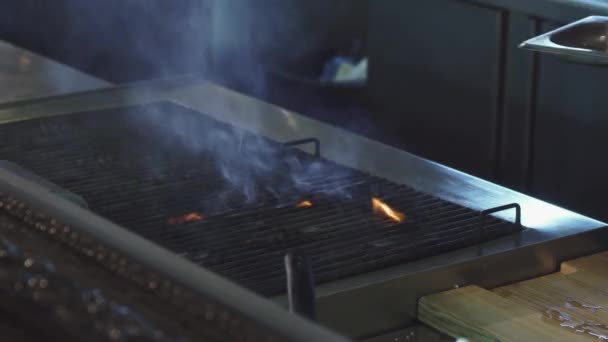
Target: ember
(304, 204)
(383, 209)
(192, 217)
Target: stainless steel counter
(386, 299)
(24, 74)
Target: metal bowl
(584, 41)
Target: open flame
(383, 209)
(304, 204)
(191, 217)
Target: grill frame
(141, 188)
(386, 299)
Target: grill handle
(300, 285)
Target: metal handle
(584, 41)
(314, 141)
(300, 285)
(490, 211)
(515, 206)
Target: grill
(142, 166)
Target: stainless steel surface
(24, 74)
(160, 260)
(383, 300)
(51, 187)
(584, 41)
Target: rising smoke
(228, 41)
(245, 38)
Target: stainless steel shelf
(584, 41)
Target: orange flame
(304, 204)
(192, 217)
(383, 209)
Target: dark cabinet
(434, 70)
(570, 165)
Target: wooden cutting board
(481, 315)
(570, 305)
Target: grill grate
(142, 166)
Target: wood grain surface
(481, 315)
(570, 305)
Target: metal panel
(388, 300)
(518, 105)
(569, 166)
(438, 79)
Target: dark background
(446, 78)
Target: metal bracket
(314, 141)
(515, 206)
(487, 212)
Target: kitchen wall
(116, 40)
(128, 40)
